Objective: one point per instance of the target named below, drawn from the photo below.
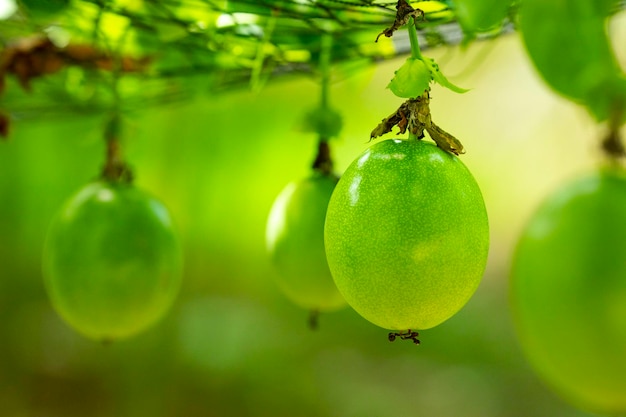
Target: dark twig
(405, 12)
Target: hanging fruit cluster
(112, 261)
(403, 236)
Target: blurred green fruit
(112, 264)
(407, 235)
(295, 242)
(569, 292)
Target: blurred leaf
(568, 43)
(476, 16)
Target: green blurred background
(233, 345)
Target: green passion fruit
(112, 263)
(295, 243)
(568, 291)
(407, 235)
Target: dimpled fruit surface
(295, 243)
(407, 235)
(568, 292)
(112, 263)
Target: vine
(178, 40)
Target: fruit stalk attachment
(412, 81)
(115, 169)
(612, 144)
(324, 120)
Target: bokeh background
(233, 345)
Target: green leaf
(414, 76)
(568, 44)
(411, 80)
(439, 78)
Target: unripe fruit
(407, 235)
(568, 292)
(112, 264)
(295, 242)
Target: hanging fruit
(295, 242)
(295, 227)
(407, 235)
(112, 261)
(406, 232)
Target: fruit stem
(323, 162)
(115, 169)
(416, 53)
(612, 144)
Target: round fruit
(295, 242)
(407, 235)
(112, 264)
(569, 292)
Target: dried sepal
(387, 124)
(414, 115)
(445, 140)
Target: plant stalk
(416, 53)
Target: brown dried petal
(444, 140)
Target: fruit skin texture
(112, 264)
(407, 235)
(569, 292)
(295, 242)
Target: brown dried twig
(404, 12)
(36, 56)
